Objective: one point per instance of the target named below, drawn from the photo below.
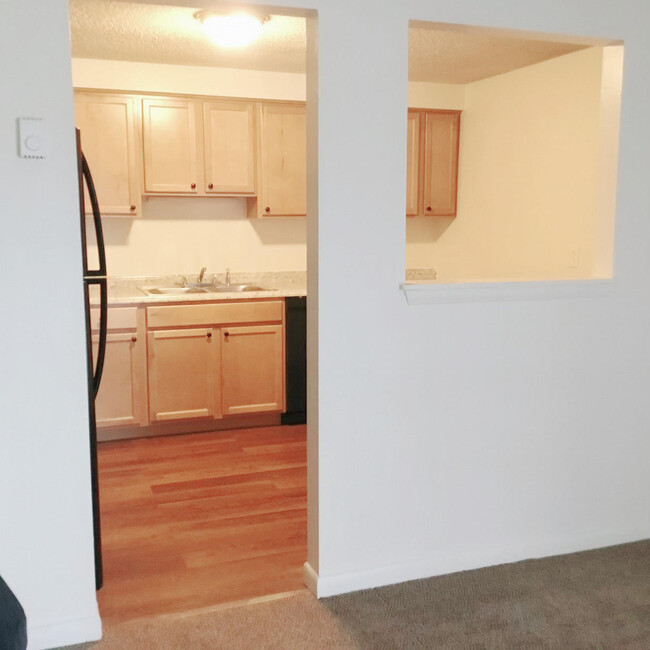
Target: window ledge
(429, 294)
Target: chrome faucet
(201, 274)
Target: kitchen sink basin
(211, 288)
(172, 291)
(234, 288)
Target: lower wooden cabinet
(252, 369)
(211, 360)
(122, 396)
(184, 377)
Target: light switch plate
(32, 142)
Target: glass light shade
(233, 30)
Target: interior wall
(528, 184)
(46, 547)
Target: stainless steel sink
(234, 288)
(203, 288)
(172, 291)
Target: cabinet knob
(209, 335)
(132, 208)
(429, 209)
(193, 186)
(267, 209)
(211, 186)
(134, 339)
(226, 334)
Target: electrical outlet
(574, 258)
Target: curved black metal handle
(101, 346)
(99, 232)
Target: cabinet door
(229, 131)
(108, 142)
(412, 163)
(252, 371)
(122, 393)
(283, 148)
(441, 162)
(184, 374)
(169, 132)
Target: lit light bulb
(233, 30)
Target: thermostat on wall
(31, 137)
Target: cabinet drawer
(214, 313)
(119, 318)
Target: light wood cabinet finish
(215, 313)
(432, 162)
(171, 146)
(108, 140)
(282, 186)
(183, 374)
(122, 396)
(412, 164)
(441, 162)
(252, 371)
(229, 141)
(215, 359)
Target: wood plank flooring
(196, 520)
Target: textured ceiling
(464, 56)
(127, 31)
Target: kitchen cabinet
(229, 141)
(108, 140)
(282, 167)
(252, 369)
(412, 163)
(435, 148)
(183, 376)
(122, 396)
(171, 146)
(215, 359)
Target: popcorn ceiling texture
(127, 31)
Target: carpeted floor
(597, 599)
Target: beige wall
(527, 178)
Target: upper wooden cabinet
(282, 142)
(413, 164)
(229, 141)
(432, 162)
(108, 140)
(171, 146)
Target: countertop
(128, 291)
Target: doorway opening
(198, 153)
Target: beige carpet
(598, 599)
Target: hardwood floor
(196, 520)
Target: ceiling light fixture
(231, 29)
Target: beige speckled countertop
(129, 291)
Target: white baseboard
(333, 585)
(55, 635)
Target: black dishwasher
(296, 356)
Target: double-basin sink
(202, 288)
